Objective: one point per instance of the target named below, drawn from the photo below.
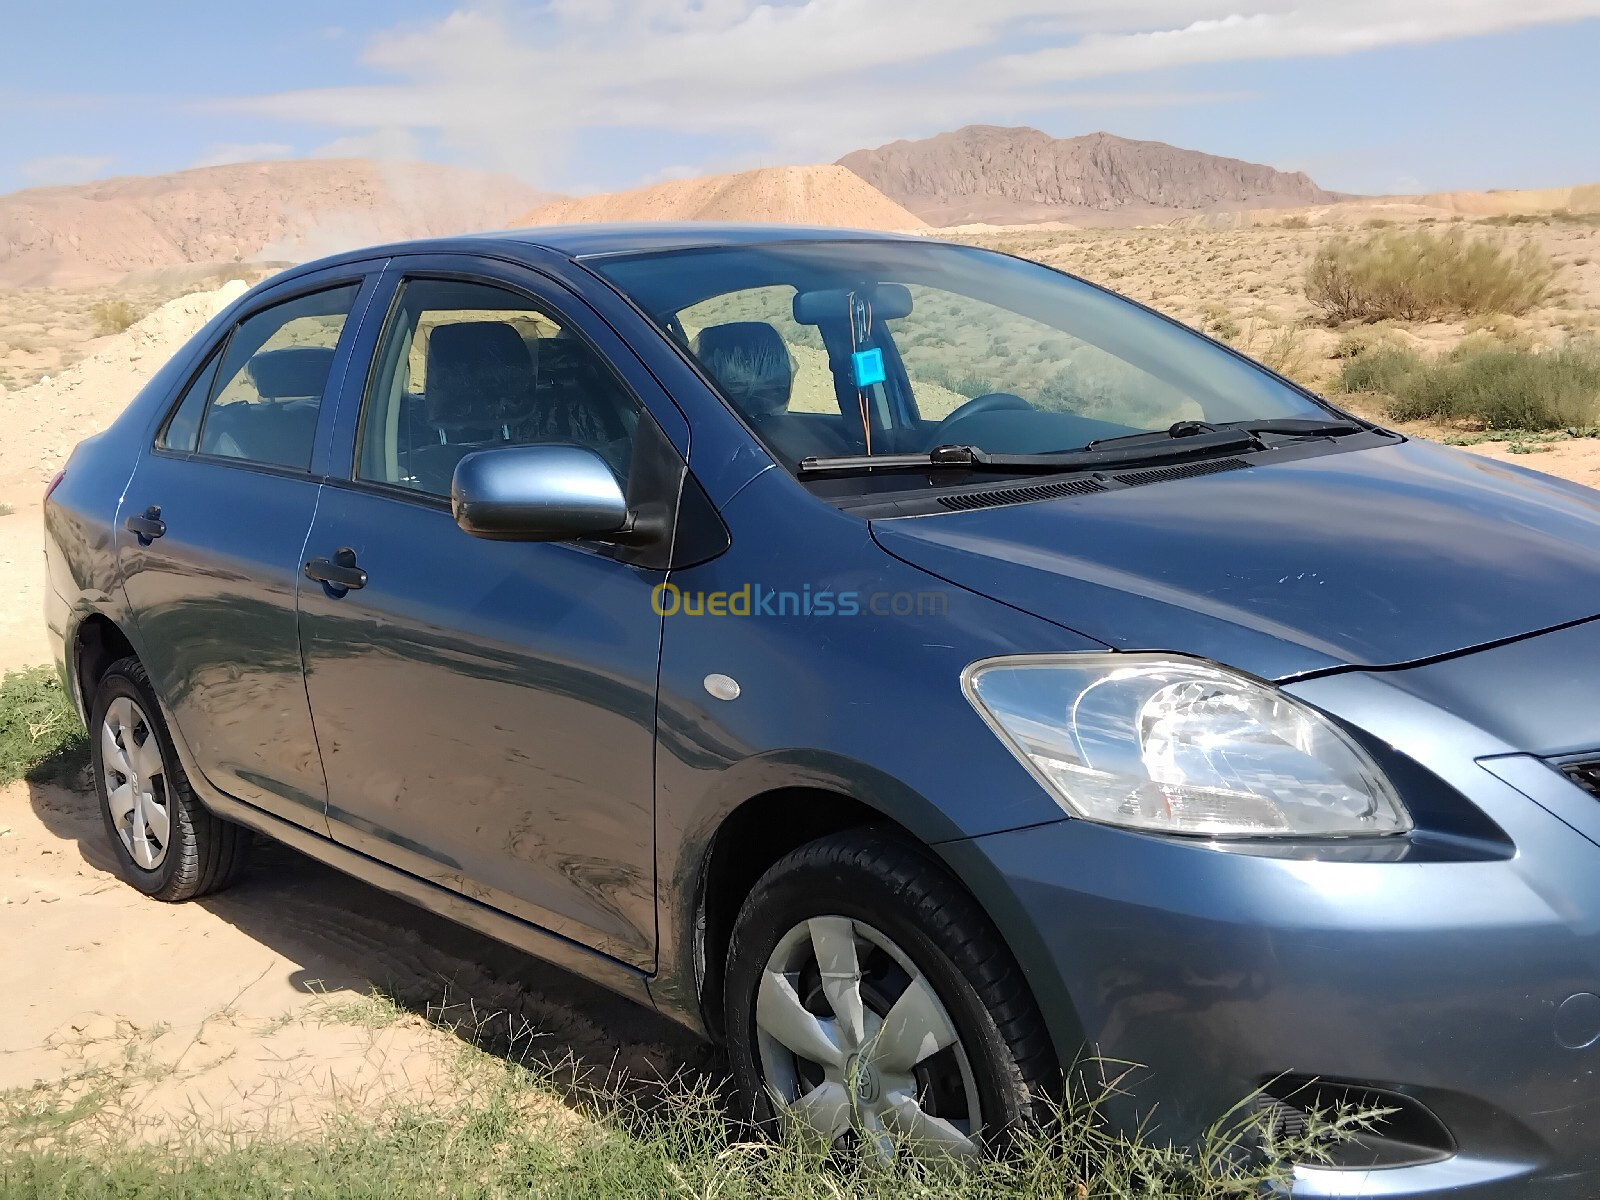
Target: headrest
(291, 373)
(480, 376)
(750, 362)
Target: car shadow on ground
(349, 935)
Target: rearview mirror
(537, 494)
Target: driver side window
(469, 366)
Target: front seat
(478, 392)
(750, 363)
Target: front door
(209, 537)
(486, 710)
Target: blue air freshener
(868, 367)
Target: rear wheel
(169, 844)
(870, 1001)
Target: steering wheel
(988, 402)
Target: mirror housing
(550, 493)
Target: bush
(1364, 339)
(1419, 275)
(113, 316)
(40, 734)
(1504, 387)
(1298, 221)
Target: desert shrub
(1296, 222)
(1418, 275)
(113, 316)
(39, 731)
(1364, 339)
(1503, 387)
(1501, 328)
(1219, 322)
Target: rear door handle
(340, 572)
(148, 527)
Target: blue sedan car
(917, 668)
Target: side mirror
(537, 494)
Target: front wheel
(169, 844)
(870, 1001)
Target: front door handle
(148, 527)
(340, 572)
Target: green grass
(1421, 275)
(516, 1122)
(514, 1132)
(40, 734)
(1504, 387)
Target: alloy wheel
(136, 783)
(855, 1045)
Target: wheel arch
(97, 642)
(749, 840)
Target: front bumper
(1441, 967)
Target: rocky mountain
(823, 195)
(991, 173)
(268, 211)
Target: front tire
(169, 845)
(870, 1001)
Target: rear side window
(183, 427)
(468, 366)
(273, 374)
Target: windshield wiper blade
(1299, 426)
(1092, 457)
(1191, 430)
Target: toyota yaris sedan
(917, 668)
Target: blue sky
(583, 95)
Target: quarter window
(468, 366)
(272, 378)
(183, 427)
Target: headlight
(1165, 743)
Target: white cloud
(1309, 30)
(65, 168)
(512, 88)
(223, 153)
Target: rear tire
(944, 1052)
(169, 845)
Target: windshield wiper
(1152, 448)
(1183, 430)
(1298, 426)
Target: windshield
(888, 347)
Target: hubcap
(854, 1044)
(136, 783)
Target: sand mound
(1438, 206)
(1509, 202)
(823, 195)
(43, 422)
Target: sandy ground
(246, 1010)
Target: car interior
(278, 423)
(487, 384)
(751, 364)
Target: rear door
(209, 536)
(486, 710)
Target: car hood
(1369, 557)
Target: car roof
(592, 240)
